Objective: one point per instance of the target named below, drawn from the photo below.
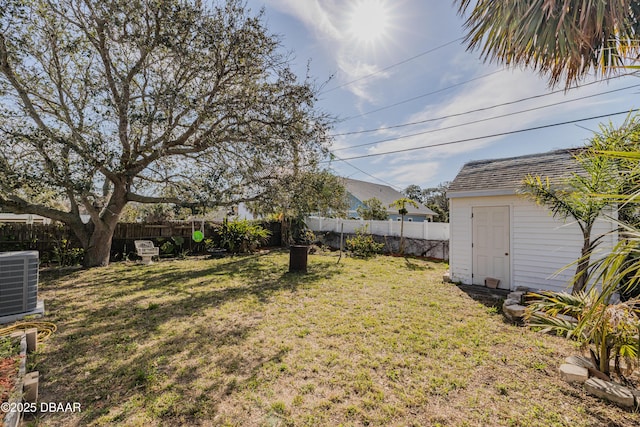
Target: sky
(383, 64)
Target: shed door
(490, 246)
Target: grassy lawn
(238, 341)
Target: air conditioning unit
(18, 282)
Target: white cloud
(316, 15)
(327, 20)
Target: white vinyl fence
(415, 230)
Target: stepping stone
(515, 311)
(573, 374)
(611, 391)
(580, 361)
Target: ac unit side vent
(18, 282)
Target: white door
(490, 246)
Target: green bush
(242, 236)
(65, 254)
(363, 245)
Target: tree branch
(131, 197)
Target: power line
(420, 96)
(486, 136)
(481, 109)
(487, 118)
(390, 66)
(366, 173)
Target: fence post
(425, 230)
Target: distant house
(6, 217)
(359, 191)
(496, 233)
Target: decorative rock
(580, 361)
(515, 311)
(446, 277)
(567, 318)
(511, 301)
(611, 391)
(573, 374)
(516, 296)
(636, 394)
(623, 366)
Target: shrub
(363, 245)
(241, 236)
(65, 254)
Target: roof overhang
(482, 193)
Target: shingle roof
(363, 190)
(507, 174)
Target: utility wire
(486, 119)
(484, 137)
(366, 173)
(481, 109)
(390, 66)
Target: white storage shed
(497, 233)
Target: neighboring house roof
(505, 176)
(363, 190)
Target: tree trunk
(98, 252)
(98, 245)
(402, 235)
(583, 263)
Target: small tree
(435, 198)
(299, 194)
(372, 209)
(577, 198)
(400, 204)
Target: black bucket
(298, 258)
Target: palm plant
(608, 330)
(400, 204)
(576, 199)
(565, 38)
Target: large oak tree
(105, 102)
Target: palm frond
(548, 323)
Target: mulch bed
(9, 366)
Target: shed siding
(541, 245)
(460, 241)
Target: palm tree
(563, 38)
(400, 204)
(579, 200)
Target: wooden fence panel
(46, 237)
